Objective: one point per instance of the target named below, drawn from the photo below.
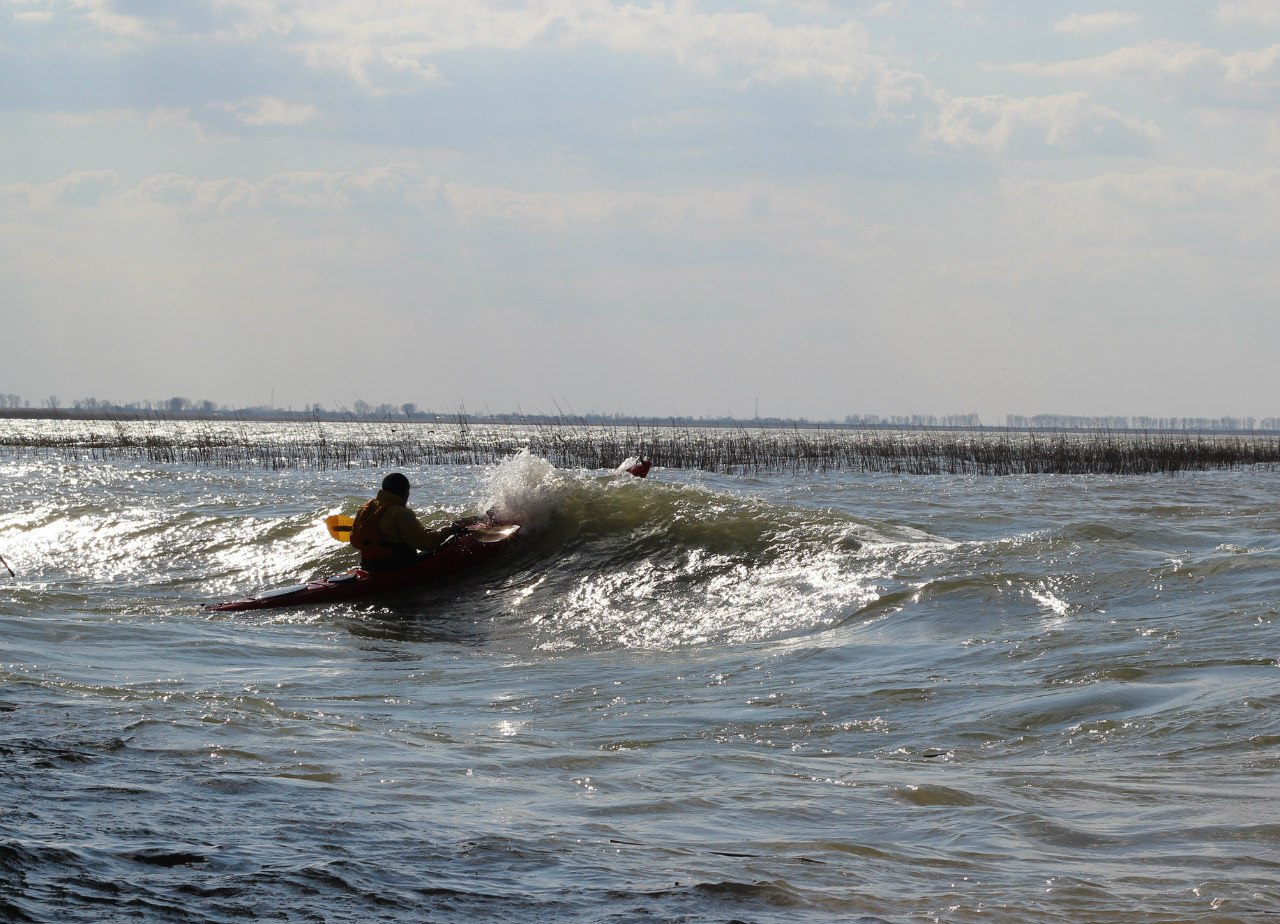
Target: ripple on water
(892, 700)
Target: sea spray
(525, 489)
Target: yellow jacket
(386, 531)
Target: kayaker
(387, 532)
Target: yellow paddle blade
(339, 526)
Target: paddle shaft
(7, 568)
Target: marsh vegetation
(733, 450)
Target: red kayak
(471, 545)
(473, 541)
(640, 469)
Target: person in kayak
(387, 532)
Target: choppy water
(692, 698)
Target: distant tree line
(1075, 422)
(186, 407)
(914, 420)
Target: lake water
(695, 698)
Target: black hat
(396, 484)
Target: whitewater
(819, 697)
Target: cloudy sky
(826, 206)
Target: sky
(812, 208)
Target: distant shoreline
(282, 415)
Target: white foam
(525, 489)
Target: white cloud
(971, 10)
(1176, 69)
(1096, 23)
(96, 117)
(1176, 188)
(549, 162)
(887, 9)
(1195, 211)
(1037, 127)
(377, 45)
(83, 189)
(178, 121)
(407, 190)
(1248, 12)
(103, 15)
(899, 92)
(270, 110)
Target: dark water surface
(692, 698)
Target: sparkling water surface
(690, 698)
